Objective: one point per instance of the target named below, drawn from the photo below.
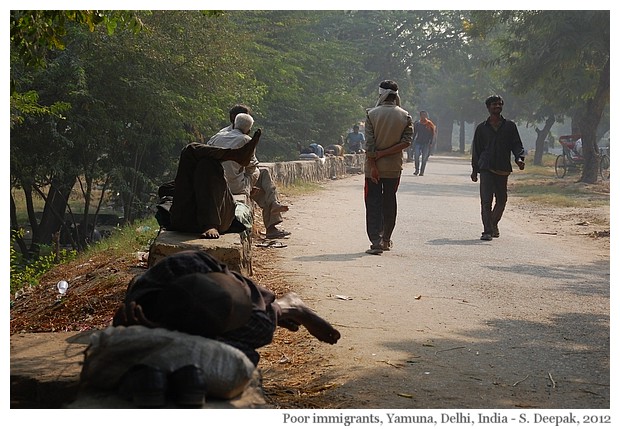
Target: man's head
(389, 84)
(356, 128)
(388, 92)
(236, 109)
(243, 122)
(423, 114)
(494, 99)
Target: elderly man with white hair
(251, 180)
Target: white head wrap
(384, 92)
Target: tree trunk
(462, 136)
(32, 217)
(588, 124)
(540, 139)
(15, 236)
(53, 212)
(444, 133)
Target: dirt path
(445, 320)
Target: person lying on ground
(194, 293)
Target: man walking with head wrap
(389, 131)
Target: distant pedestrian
(424, 133)
(355, 140)
(494, 140)
(389, 131)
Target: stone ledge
(231, 249)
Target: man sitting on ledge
(203, 202)
(251, 180)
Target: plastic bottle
(62, 287)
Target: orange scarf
(428, 124)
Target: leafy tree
(35, 36)
(564, 56)
(306, 76)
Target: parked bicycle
(571, 158)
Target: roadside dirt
(298, 372)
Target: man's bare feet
(244, 154)
(210, 233)
(295, 313)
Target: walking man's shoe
(374, 250)
(486, 237)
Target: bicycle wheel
(604, 164)
(560, 166)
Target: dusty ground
(294, 368)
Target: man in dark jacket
(494, 140)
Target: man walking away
(388, 131)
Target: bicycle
(571, 159)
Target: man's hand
(521, 164)
(131, 314)
(374, 174)
(474, 176)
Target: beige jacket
(387, 125)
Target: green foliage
(36, 32)
(123, 241)
(26, 273)
(127, 239)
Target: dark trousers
(492, 186)
(380, 201)
(202, 198)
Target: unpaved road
(445, 320)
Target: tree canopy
(108, 98)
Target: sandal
(278, 234)
(272, 244)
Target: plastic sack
(115, 350)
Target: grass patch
(539, 184)
(123, 241)
(126, 239)
(299, 188)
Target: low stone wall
(315, 170)
(235, 250)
